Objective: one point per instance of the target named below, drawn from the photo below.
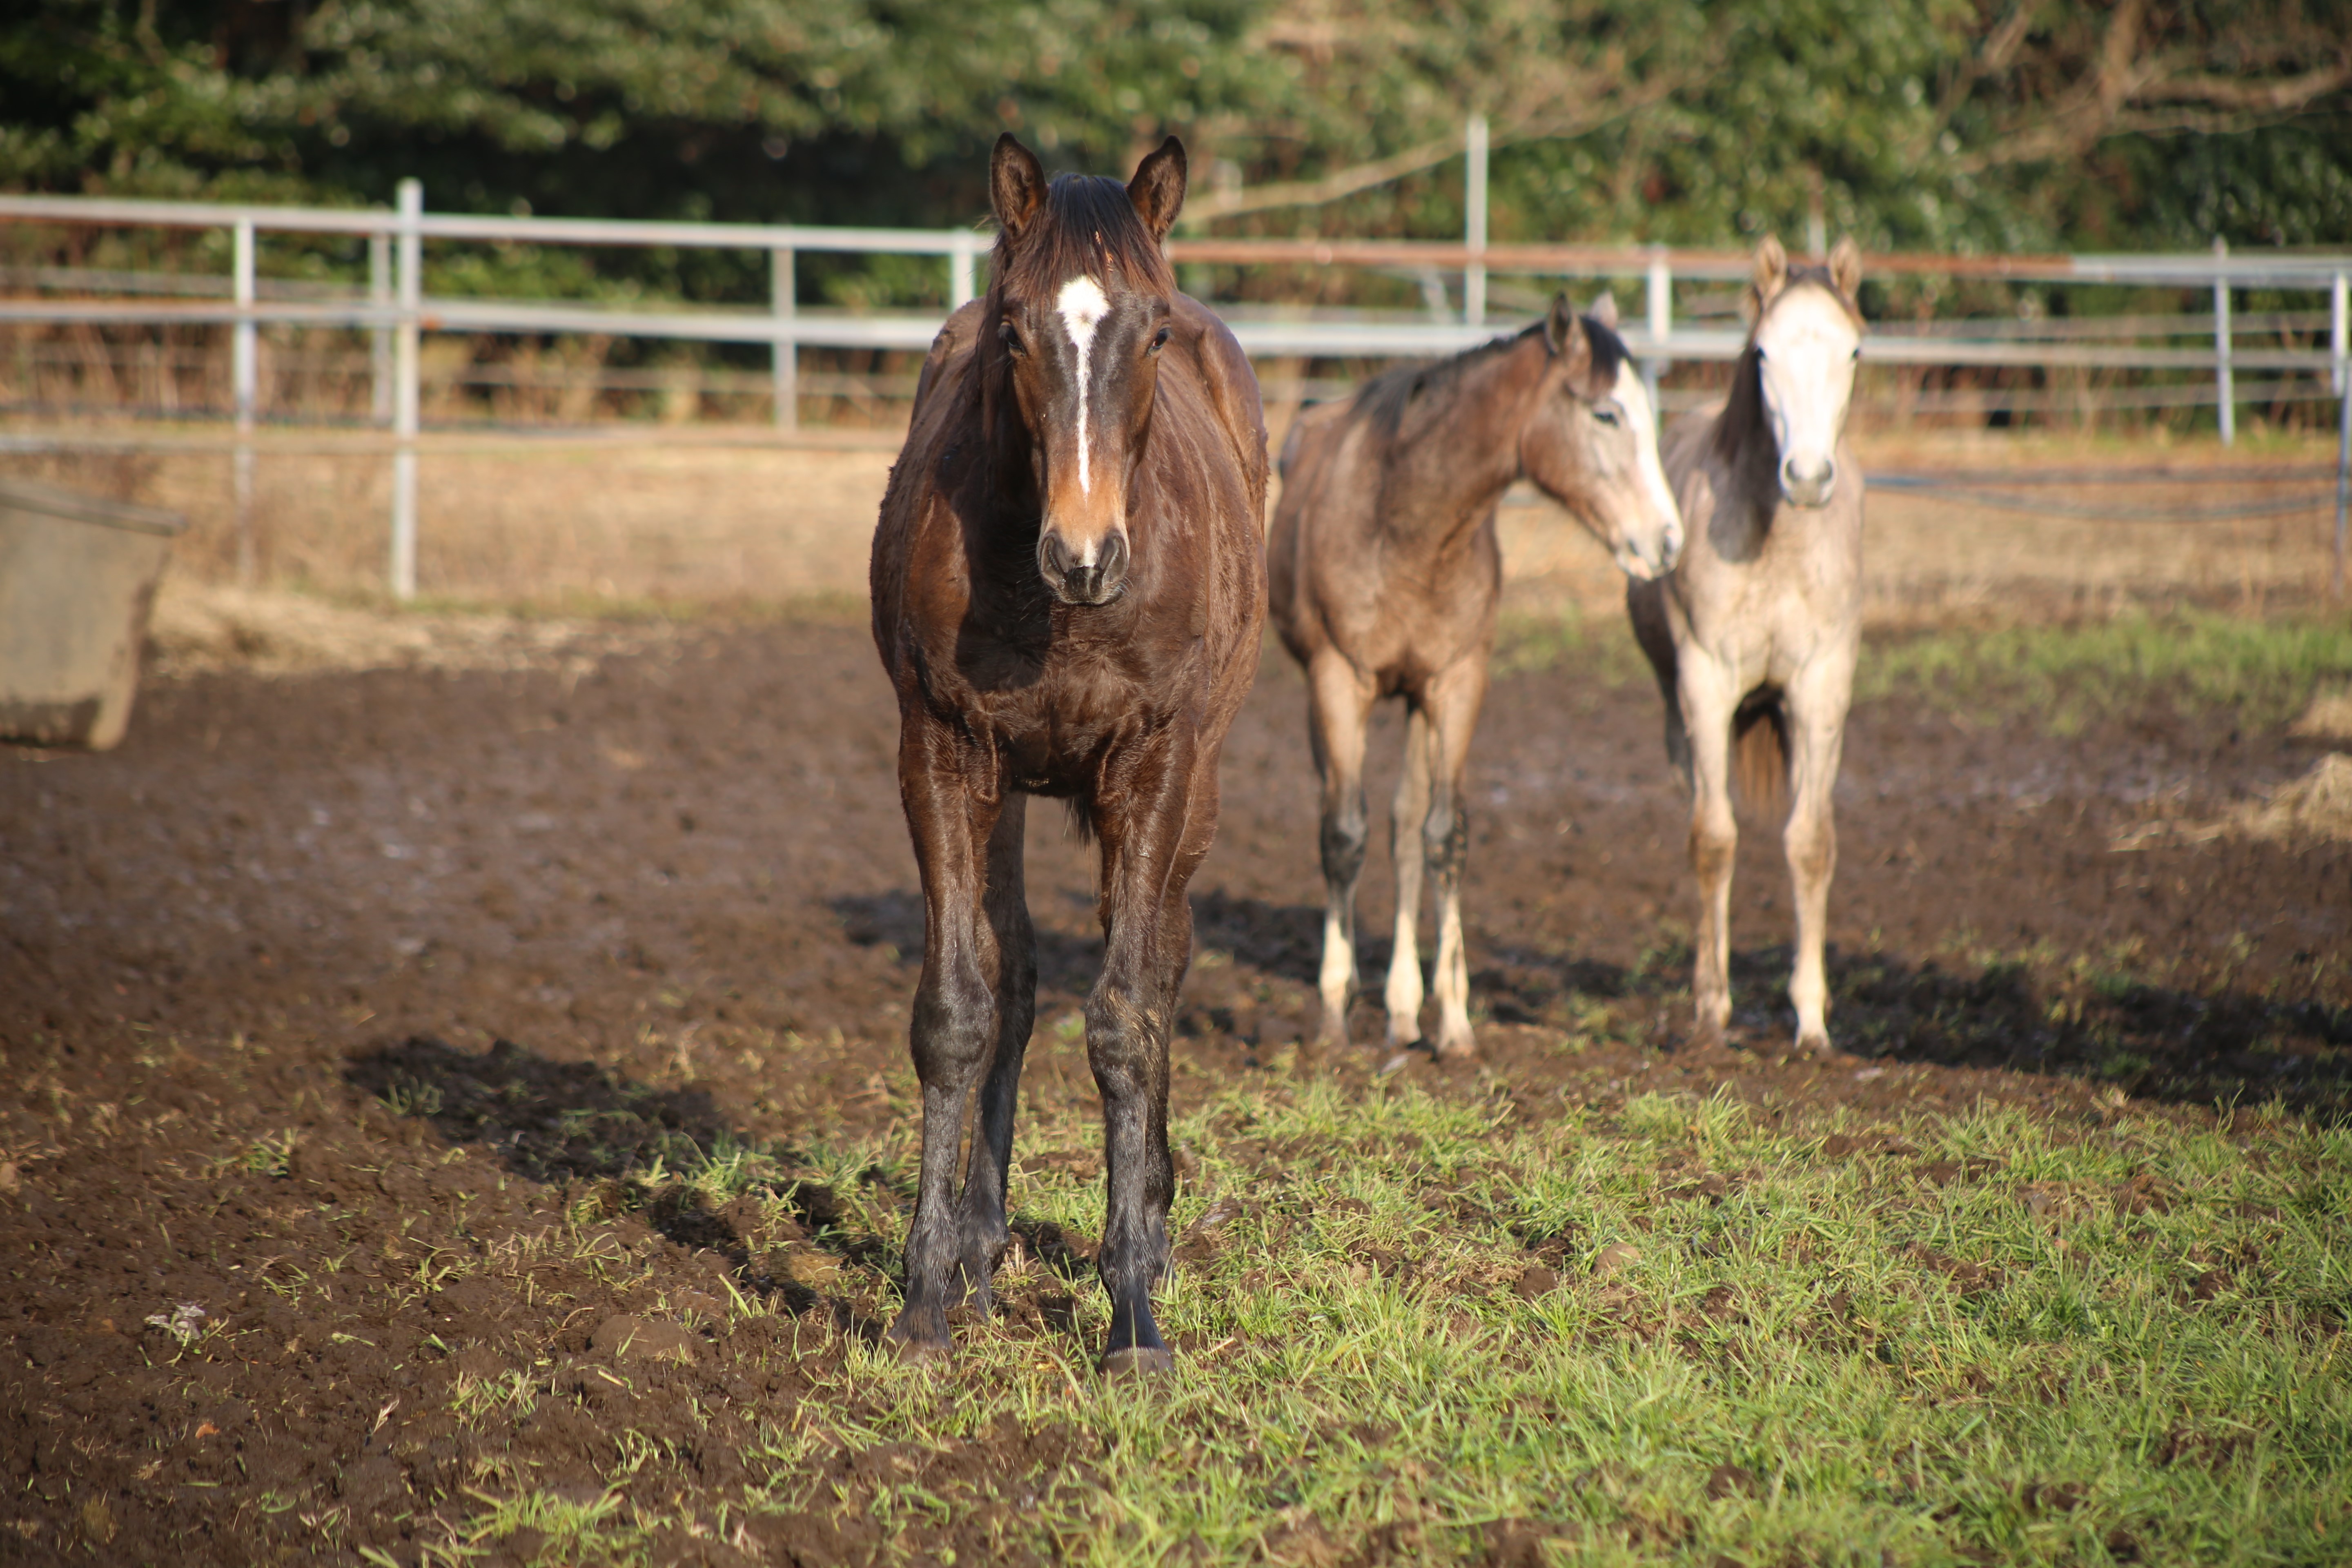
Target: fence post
(2223, 383)
(1474, 276)
(785, 301)
(406, 390)
(379, 338)
(243, 375)
(1661, 324)
(962, 285)
(2339, 342)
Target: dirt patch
(352, 1020)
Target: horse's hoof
(921, 1352)
(1815, 1043)
(1138, 1361)
(1457, 1049)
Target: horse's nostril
(1113, 566)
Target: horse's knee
(1713, 845)
(1345, 836)
(954, 1025)
(1811, 849)
(1445, 842)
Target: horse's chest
(1050, 726)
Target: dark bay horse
(1383, 573)
(1068, 597)
(1755, 635)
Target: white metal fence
(396, 313)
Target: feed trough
(77, 579)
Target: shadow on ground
(2175, 1045)
(619, 1147)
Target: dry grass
(720, 515)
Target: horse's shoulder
(950, 352)
(1230, 387)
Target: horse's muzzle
(1808, 486)
(1077, 580)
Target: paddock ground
(496, 1028)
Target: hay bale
(2329, 717)
(2316, 806)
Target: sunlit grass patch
(2262, 671)
(1972, 1341)
(1424, 1324)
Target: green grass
(1986, 1339)
(1596, 647)
(2264, 672)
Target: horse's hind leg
(955, 1020)
(1339, 700)
(1816, 713)
(1403, 994)
(980, 1211)
(1453, 699)
(1645, 606)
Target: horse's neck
(1464, 454)
(1743, 445)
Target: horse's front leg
(1403, 994)
(1453, 699)
(980, 1211)
(955, 1015)
(1152, 837)
(1816, 707)
(1339, 702)
(1707, 704)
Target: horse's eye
(1010, 336)
(1857, 356)
(1606, 414)
(1159, 339)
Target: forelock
(1087, 227)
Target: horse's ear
(1771, 274)
(1559, 325)
(1157, 188)
(1016, 184)
(1846, 267)
(1604, 310)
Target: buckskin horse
(1754, 635)
(1068, 597)
(1385, 574)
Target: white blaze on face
(1083, 309)
(1808, 341)
(1633, 396)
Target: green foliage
(1947, 124)
(2264, 672)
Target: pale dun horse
(1383, 572)
(1754, 633)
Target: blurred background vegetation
(1938, 125)
(1941, 124)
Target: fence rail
(395, 312)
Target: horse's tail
(1759, 737)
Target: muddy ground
(323, 979)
